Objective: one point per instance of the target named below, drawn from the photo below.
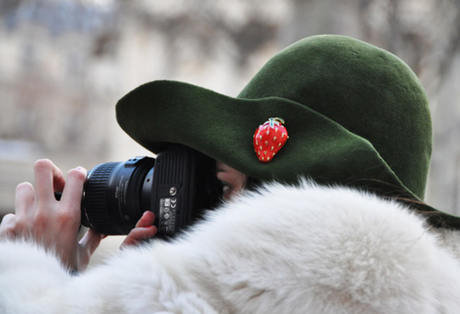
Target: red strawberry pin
(269, 138)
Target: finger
(48, 178)
(137, 235)
(146, 220)
(7, 225)
(73, 190)
(90, 241)
(8, 221)
(24, 200)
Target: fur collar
(285, 249)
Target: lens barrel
(177, 187)
(116, 195)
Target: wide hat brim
(376, 103)
(222, 127)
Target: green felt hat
(356, 115)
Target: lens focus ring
(96, 199)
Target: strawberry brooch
(269, 138)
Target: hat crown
(367, 90)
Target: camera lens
(116, 194)
(177, 186)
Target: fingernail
(80, 168)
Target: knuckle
(40, 220)
(21, 226)
(65, 217)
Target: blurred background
(65, 63)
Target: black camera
(177, 187)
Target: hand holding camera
(52, 224)
(114, 198)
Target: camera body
(177, 187)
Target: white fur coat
(289, 250)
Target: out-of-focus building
(65, 63)
(54, 95)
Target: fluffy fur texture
(305, 249)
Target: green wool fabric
(356, 115)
